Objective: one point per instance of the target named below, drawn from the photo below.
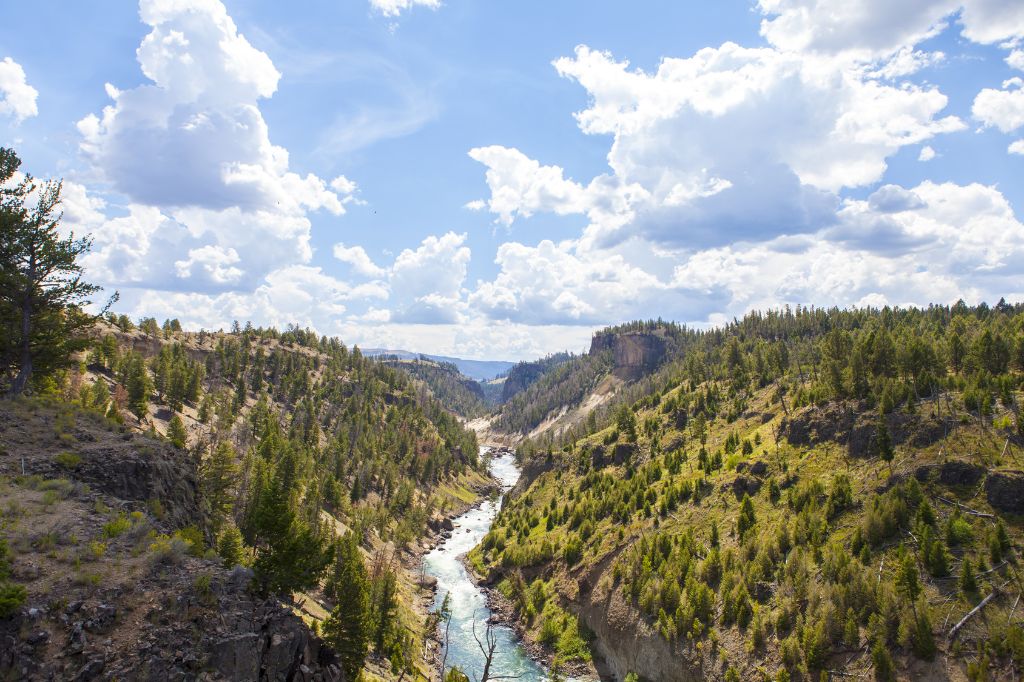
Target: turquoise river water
(467, 601)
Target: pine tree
(747, 519)
(42, 293)
(348, 627)
(968, 582)
(138, 385)
(291, 554)
(217, 475)
(230, 547)
(907, 579)
(885, 668)
(177, 433)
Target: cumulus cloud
(1016, 147)
(427, 281)
(868, 29)
(17, 97)
(908, 61)
(927, 154)
(1002, 109)
(1016, 59)
(212, 202)
(874, 29)
(357, 257)
(393, 8)
(731, 143)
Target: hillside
(101, 529)
(478, 370)
(566, 394)
(796, 493)
(288, 447)
(445, 383)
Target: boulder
(624, 452)
(237, 657)
(956, 472)
(1005, 491)
(745, 484)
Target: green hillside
(796, 493)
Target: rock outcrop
(1005, 491)
(849, 424)
(634, 354)
(112, 605)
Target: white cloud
(1002, 109)
(1016, 59)
(427, 281)
(908, 61)
(194, 136)
(521, 186)
(357, 257)
(1016, 147)
(874, 29)
(865, 30)
(927, 154)
(731, 143)
(392, 8)
(211, 200)
(17, 97)
(217, 263)
(992, 21)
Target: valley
(799, 494)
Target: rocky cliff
(97, 522)
(634, 354)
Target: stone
(956, 472)
(1005, 491)
(77, 641)
(38, 638)
(237, 657)
(240, 578)
(90, 670)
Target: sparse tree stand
(41, 289)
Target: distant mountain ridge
(480, 370)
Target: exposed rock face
(180, 617)
(626, 643)
(634, 354)
(1005, 491)
(125, 466)
(849, 424)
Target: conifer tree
(42, 293)
(348, 627)
(218, 474)
(177, 433)
(230, 546)
(138, 385)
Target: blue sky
(497, 180)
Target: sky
(496, 180)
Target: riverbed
(468, 602)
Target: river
(467, 601)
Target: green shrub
(116, 526)
(12, 598)
(68, 460)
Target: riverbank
(505, 612)
(469, 607)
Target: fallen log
(968, 510)
(970, 614)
